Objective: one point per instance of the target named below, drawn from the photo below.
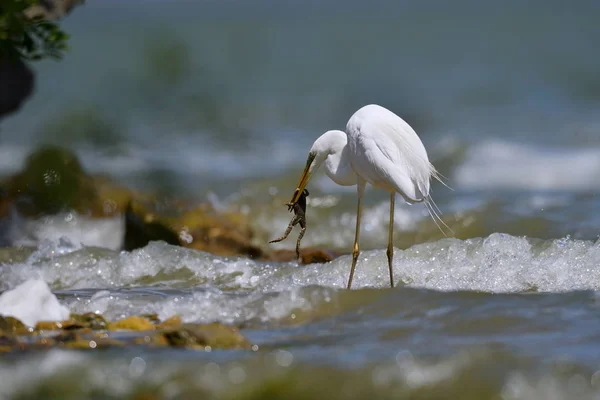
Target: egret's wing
(393, 150)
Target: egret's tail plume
(435, 214)
(439, 177)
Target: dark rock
(53, 180)
(141, 229)
(16, 85)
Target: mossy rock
(171, 322)
(214, 335)
(132, 323)
(11, 325)
(15, 255)
(94, 343)
(53, 180)
(90, 320)
(153, 317)
(201, 228)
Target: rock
(131, 323)
(93, 343)
(201, 228)
(64, 325)
(47, 326)
(89, 320)
(173, 321)
(14, 255)
(53, 180)
(12, 325)
(214, 335)
(153, 317)
(16, 85)
(141, 229)
(307, 256)
(32, 301)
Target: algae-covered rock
(14, 255)
(214, 335)
(77, 333)
(173, 321)
(52, 180)
(90, 320)
(48, 326)
(12, 325)
(200, 228)
(153, 317)
(132, 323)
(94, 343)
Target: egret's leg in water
(355, 251)
(390, 248)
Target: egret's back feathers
(388, 152)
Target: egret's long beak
(303, 179)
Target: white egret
(380, 148)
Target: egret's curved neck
(339, 169)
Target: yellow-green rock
(132, 323)
(173, 321)
(90, 320)
(12, 325)
(214, 335)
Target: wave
(498, 165)
(499, 263)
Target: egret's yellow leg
(355, 251)
(390, 248)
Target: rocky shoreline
(54, 181)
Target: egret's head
(321, 148)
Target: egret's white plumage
(380, 148)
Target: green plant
(28, 38)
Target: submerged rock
(132, 324)
(31, 302)
(78, 333)
(215, 335)
(90, 320)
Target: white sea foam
(497, 164)
(78, 229)
(498, 263)
(238, 289)
(32, 301)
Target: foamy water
(222, 100)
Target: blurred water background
(221, 100)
